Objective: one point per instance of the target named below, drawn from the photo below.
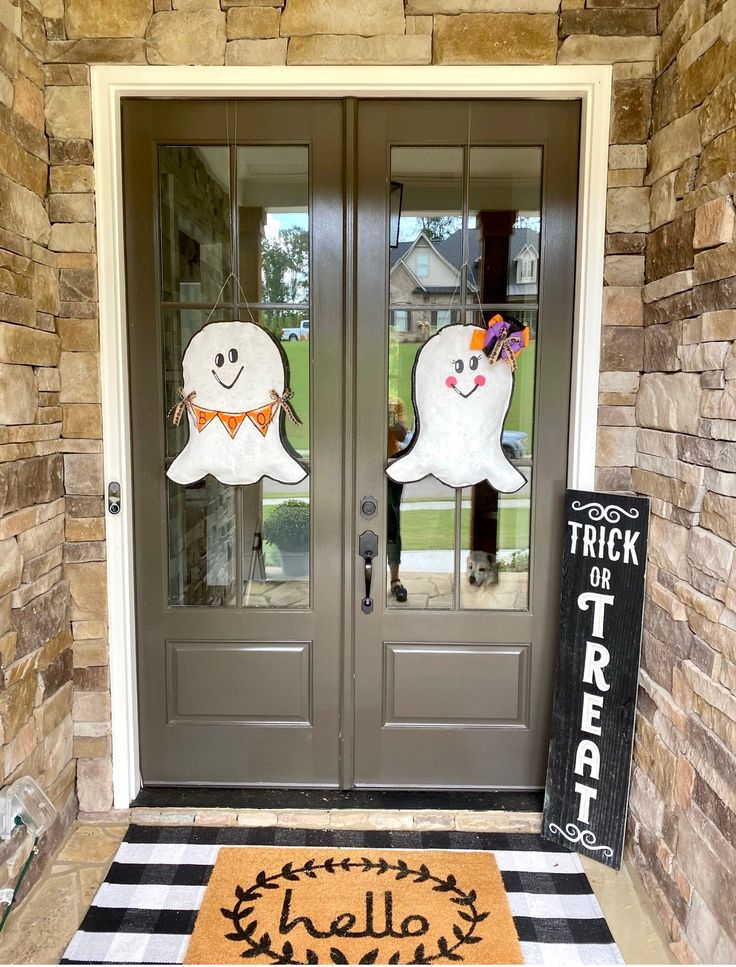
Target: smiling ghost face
(232, 366)
(466, 385)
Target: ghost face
(228, 364)
(462, 385)
(235, 429)
(461, 401)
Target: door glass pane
(273, 215)
(504, 199)
(243, 545)
(277, 516)
(420, 538)
(467, 549)
(202, 541)
(504, 224)
(194, 184)
(494, 560)
(426, 250)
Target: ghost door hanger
(235, 395)
(462, 384)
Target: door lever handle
(368, 549)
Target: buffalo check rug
(231, 895)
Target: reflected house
(503, 269)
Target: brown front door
(257, 664)
(453, 686)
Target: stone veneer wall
(683, 822)
(684, 724)
(36, 658)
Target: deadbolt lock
(369, 507)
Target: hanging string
(466, 261)
(219, 296)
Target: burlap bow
(185, 403)
(282, 401)
(503, 349)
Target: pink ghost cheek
(452, 381)
(480, 381)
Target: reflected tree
(285, 261)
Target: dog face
(482, 568)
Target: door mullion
(458, 539)
(347, 706)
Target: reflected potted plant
(287, 526)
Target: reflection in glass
(276, 542)
(178, 326)
(273, 214)
(291, 329)
(421, 543)
(425, 265)
(276, 516)
(504, 222)
(202, 526)
(195, 221)
(494, 556)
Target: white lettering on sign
(604, 543)
(600, 577)
(586, 793)
(597, 542)
(597, 658)
(592, 705)
(599, 604)
(588, 755)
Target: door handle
(367, 548)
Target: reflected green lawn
(434, 530)
(298, 355)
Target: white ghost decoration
(234, 373)
(460, 399)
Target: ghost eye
(233, 355)
(219, 360)
(474, 363)
(459, 366)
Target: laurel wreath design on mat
(247, 929)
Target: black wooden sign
(603, 565)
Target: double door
(352, 232)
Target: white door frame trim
(590, 84)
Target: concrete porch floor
(40, 927)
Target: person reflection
(399, 436)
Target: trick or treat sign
(603, 567)
(462, 384)
(235, 396)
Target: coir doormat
(202, 895)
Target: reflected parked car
(295, 333)
(514, 444)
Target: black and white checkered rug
(145, 911)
